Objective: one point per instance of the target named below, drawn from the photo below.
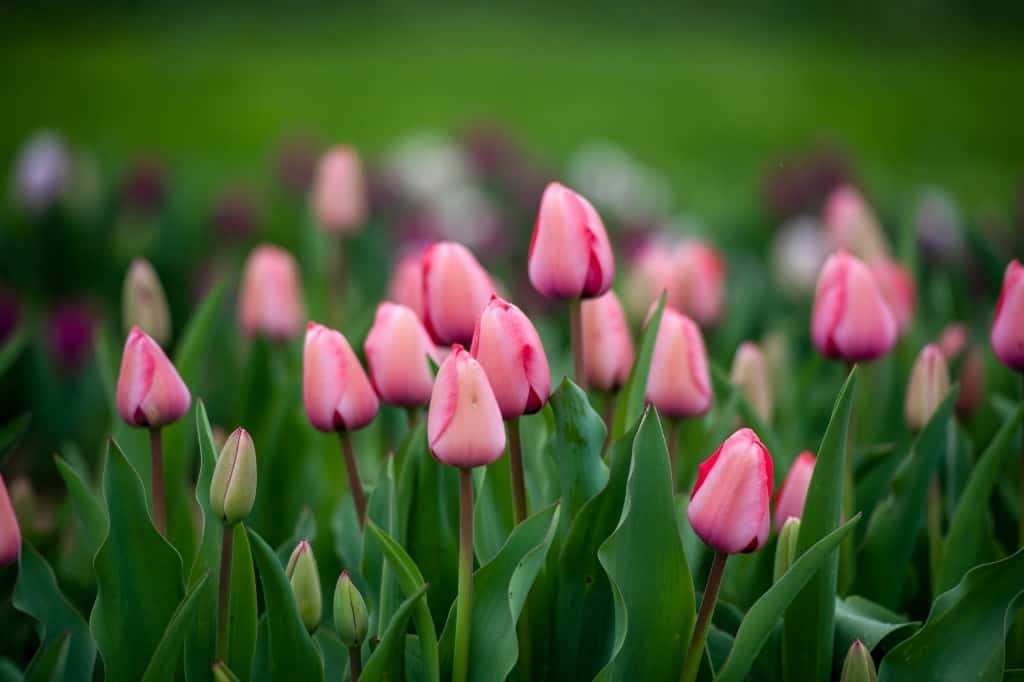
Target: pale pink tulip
(406, 285)
(679, 384)
(1008, 326)
(607, 344)
(271, 296)
(851, 225)
(398, 353)
(929, 384)
(149, 390)
(455, 290)
(789, 500)
(850, 318)
(953, 340)
(698, 284)
(650, 273)
(898, 288)
(339, 191)
(335, 389)
(751, 376)
(10, 533)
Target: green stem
(934, 530)
(413, 414)
(224, 592)
(355, 483)
(515, 455)
(156, 453)
(846, 549)
(576, 332)
(355, 662)
(707, 608)
(464, 605)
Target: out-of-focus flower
(143, 303)
(70, 335)
(789, 501)
(972, 384)
(271, 296)
(750, 374)
(464, 424)
(852, 225)
(679, 384)
(607, 343)
(233, 485)
(618, 183)
(785, 548)
(406, 285)
(339, 192)
(296, 163)
(929, 384)
(10, 313)
(802, 183)
(851, 319)
(698, 281)
(41, 172)
(350, 616)
(953, 340)
(728, 508)
(650, 273)
(1008, 326)
(145, 186)
(899, 290)
(398, 352)
(465, 214)
(425, 164)
(798, 252)
(858, 665)
(235, 214)
(305, 581)
(455, 290)
(150, 391)
(939, 228)
(10, 532)
(335, 389)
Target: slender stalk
(156, 455)
(707, 608)
(227, 542)
(354, 482)
(609, 415)
(460, 669)
(413, 414)
(846, 549)
(576, 332)
(355, 662)
(673, 443)
(934, 530)
(515, 460)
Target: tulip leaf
(630, 405)
(88, 509)
(305, 529)
(809, 627)
(860, 619)
(493, 514)
(37, 594)
(289, 646)
(11, 433)
(576, 445)
(762, 617)
(11, 349)
(965, 634)
(642, 587)
(387, 662)
(163, 665)
(971, 526)
(334, 653)
(382, 508)
(896, 521)
(50, 664)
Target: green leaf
(138, 576)
(11, 349)
(164, 664)
(895, 523)
(762, 617)
(11, 433)
(630, 405)
(334, 653)
(289, 645)
(387, 662)
(964, 636)
(305, 529)
(88, 509)
(858, 618)
(809, 628)
(971, 526)
(9, 672)
(646, 564)
(493, 513)
(51, 661)
(244, 617)
(37, 594)
(576, 445)
(382, 509)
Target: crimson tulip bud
(143, 303)
(1008, 325)
(233, 486)
(698, 281)
(789, 501)
(464, 425)
(149, 390)
(305, 581)
(607, 344)
(335, 389)
(929, 384)
(851, 225)
(397, 351)
(271, 296)
(729, 504)
(972, 383)
(858, 666)
(850, 318)
(507, 346)
(455, 290)
(350, 616)
(339, 191)
(679, 384)
(898, 289)
(10, 532)
(750, 374)
(570, 255)
(406, 286)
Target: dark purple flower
(296, 163)
(235, 214)
(9, 313)
(70, 335)
(145, 185)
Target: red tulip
(455, 290)
(898, 288)
(10, 533)
(397, 351)
(339, 191)
(679, 384)
(850, 319)
(149, 390)
(1008, 325)
(929, 384)
(698, 285)
(335, 389)
(607, 343)
(789, 501)
(271, 298)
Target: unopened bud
(143, 303)
(233, 487)
(785, 548)
(350, 616)
(305, 579)
(858, 666)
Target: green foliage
(630, 404)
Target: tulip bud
(339, 191)
(455, 290)
(953, 340)
(851, 225)
(507, 346)
(271, 297)
(233, 486)
(1008, 325)
(570, 255)
(789, 501)
(750, 375)
(10, 533)
(785, 548)
(898, 289)
(406, 286)
(143, 303)
(464, 426)
(335, 389)
(858, 666)
(929, 384)
(149, 390)
(729, 505)
(305, 580)
(679, 384)
(972, 384)
(698, 286)
(850, 319)
(350, 616)
(397, 351)
(607, 344)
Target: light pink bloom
(406, 285)
(698, 284)
(398, 350)
(335, 389)
(1008, 325)
(899, 290)
(339, 191)
(149, 390)
(10, 533)
(607, 344)
(455, 290)
(851, 225)
(271, 296)
(953, 340)
(650, 273)
(679, 384)
(850, 318)
(929, 384)
(789, 500)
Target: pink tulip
(335, 389)
(1008, 326)
(789, 500)
(898, 288)
(851, 319)
(397, 351)
(929, 384)
(650, 273)
(271, 297)
(698, 285)
(10, 533)
(679, 384)
(406, 285)
(607, 343)
(507, 346)
(570, 255)
(851, 225)
(464, 425)
(729, 505)
(455, 290)
(953, 340)
(339, 191)
(149, 390)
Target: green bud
(143, 303)
(858, 666)
(785, 548)
(233, 487)
(305, 579)
(350, 616)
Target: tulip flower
(1008, 326)
(338, 396)
(339, 194)
(698, 282)
(151, 394)
(10, 532)
(455, 290)
(898, 289)
(650, 273)
(143, 303)
(953, 340)
(750, 374)
(858, 665)
(398, 353)
(851, 225)
(233, 485)
(929, 384)
(406, 285)
(785, 548)
(271, 295)
(679, 383)
(607, 343)
(305, 581)
(352, 621)
(851, 319)
(789, 501)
